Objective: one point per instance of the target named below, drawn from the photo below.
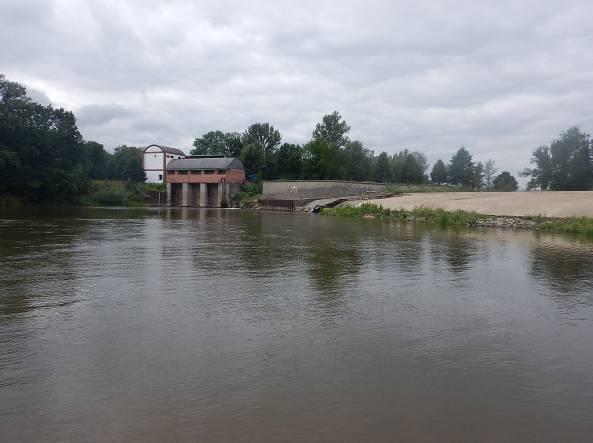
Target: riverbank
(441, 217)
(557, 204)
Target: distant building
(155, 160)
(203, 181)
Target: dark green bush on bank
(426, 215)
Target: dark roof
(168, 150)
(192, 164)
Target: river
(227, 325)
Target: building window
(160, 176)
(182, 172)
(154, 155)
(221, 171)
(209, 171)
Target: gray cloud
(499, 77)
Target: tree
(289, 160)
(489, 174)
(358, 161)
(478, 176)
(332, 129)
(413, 167)
(253, 159)
(41, 155)
(541, 174)
(439, 173)
(218, 143)
(505, 182)
(98, 162)
(566, 165)
(383, 168)
(262, 136)
(127, 164)
(322, 160)
(461, 168)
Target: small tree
(264, 136)
(461, 168)
(439, 173)
(489, 174)
(383, 168)
(505, 182)
(332, 129)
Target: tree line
(331, 154)
(43, 156)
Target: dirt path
(549, 204)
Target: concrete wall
(295, 189)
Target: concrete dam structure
(207, 182)
(318, 189)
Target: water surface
(221, 325)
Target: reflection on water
(215, 325)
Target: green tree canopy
(383, 172)
(461, 168)
(263, 136)
(438, 174)
(127, 163)
(41, 155)
(505, 182)
(358, 161)
(566, 165)
(252, 157)
(218, 143)
(289, 161)
(322, 160)
(332, 129)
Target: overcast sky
(499, 77)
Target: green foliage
(262, 136)
(461, 168)
(383, 168)
(332, 129)
(127, 164)
(117, 193)
(41, 154)
(252, 189)
(43, 157)
(420, 214)
(567, 165)
(439, 173)
(252, 157)
(409, 167)
(289, 161)
(505, 182)
(576, 225)
(218, 143)
(358, 161)
(322, 160)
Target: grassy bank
(117, 193)
(578, 225)
(410, 188)
(425, 215)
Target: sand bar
(549, 204)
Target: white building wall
(153, 163)
(154, 176)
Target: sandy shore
(549, 204)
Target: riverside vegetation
(440, 217)
(45, 159)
